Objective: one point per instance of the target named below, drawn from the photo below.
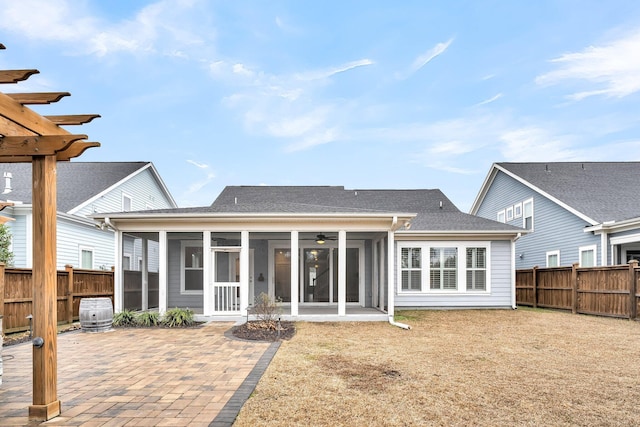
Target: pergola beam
(15, 76)
(40, 98)
(36, 145)
(28, 119)
(72, 119)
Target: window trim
(510, 213)
(552, 253)
(126, 255)
(588, 248)
(86, 248)
(190, 244)
(502, 214)
(524, 218)
(473, 269)
(461, 271)
(127, 196)
(411, 269)
(517, 210)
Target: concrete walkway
(140, 377)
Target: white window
(587, 256)
(501, 217)
(509, 213)
(476, 269)
(443, 268)
(126, 262)
(527, 214)
(86, 257)
(553, 259)
(517, 210)
(411, 268)
(127, 202)
(191, 267)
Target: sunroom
(315, 266)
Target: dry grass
(524, 367)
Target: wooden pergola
(26, 136)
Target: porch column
(244, 272)
(295, 273)
(145, 275)
(342, 273)
(391, 273)
(162, 271)
(382, 275)
(207, 271)
(118, 275)
(603, 249)
(376, 273)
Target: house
(83, 188)
(327, 253)
(576, 212)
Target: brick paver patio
(139, 377)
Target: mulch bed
(264, 331)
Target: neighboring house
(83, 188)
(576, 212)
(324, 252)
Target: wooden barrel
(96, 314)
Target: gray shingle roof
(77, 182)
(431, 215)
(603, 191)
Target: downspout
(398, 324)
(107, 221)
(514, 306)
(391, 272)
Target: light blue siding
(72, 235)
(19, 240)
(143, 189)
(555, 228)
(500, 285)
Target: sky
(363, 94)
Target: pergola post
(28, 137)
(45, 345)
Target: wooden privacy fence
(16, 294)
(603, 291)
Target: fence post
(633, 307)
(1, 298)
(69, 269)
(574, 287)
(534, 279)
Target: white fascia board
(165, 189)
(548, 196)
(255, 222)
(253, 215)
(614, 226)
(78, 219)
(458, 234)
(488, 180)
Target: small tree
(6, 255)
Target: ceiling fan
(321, 238)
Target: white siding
(499, 297)
(144, 190)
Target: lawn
(472, 367)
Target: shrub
(148, 318)
(178, 317)
(124, 318)
(266, 311)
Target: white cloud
(198, 165)
(324, 74)
(530, 144)
(165, 27)
(612, 70)
(426, 57)
(490, 100)
(317, 138)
